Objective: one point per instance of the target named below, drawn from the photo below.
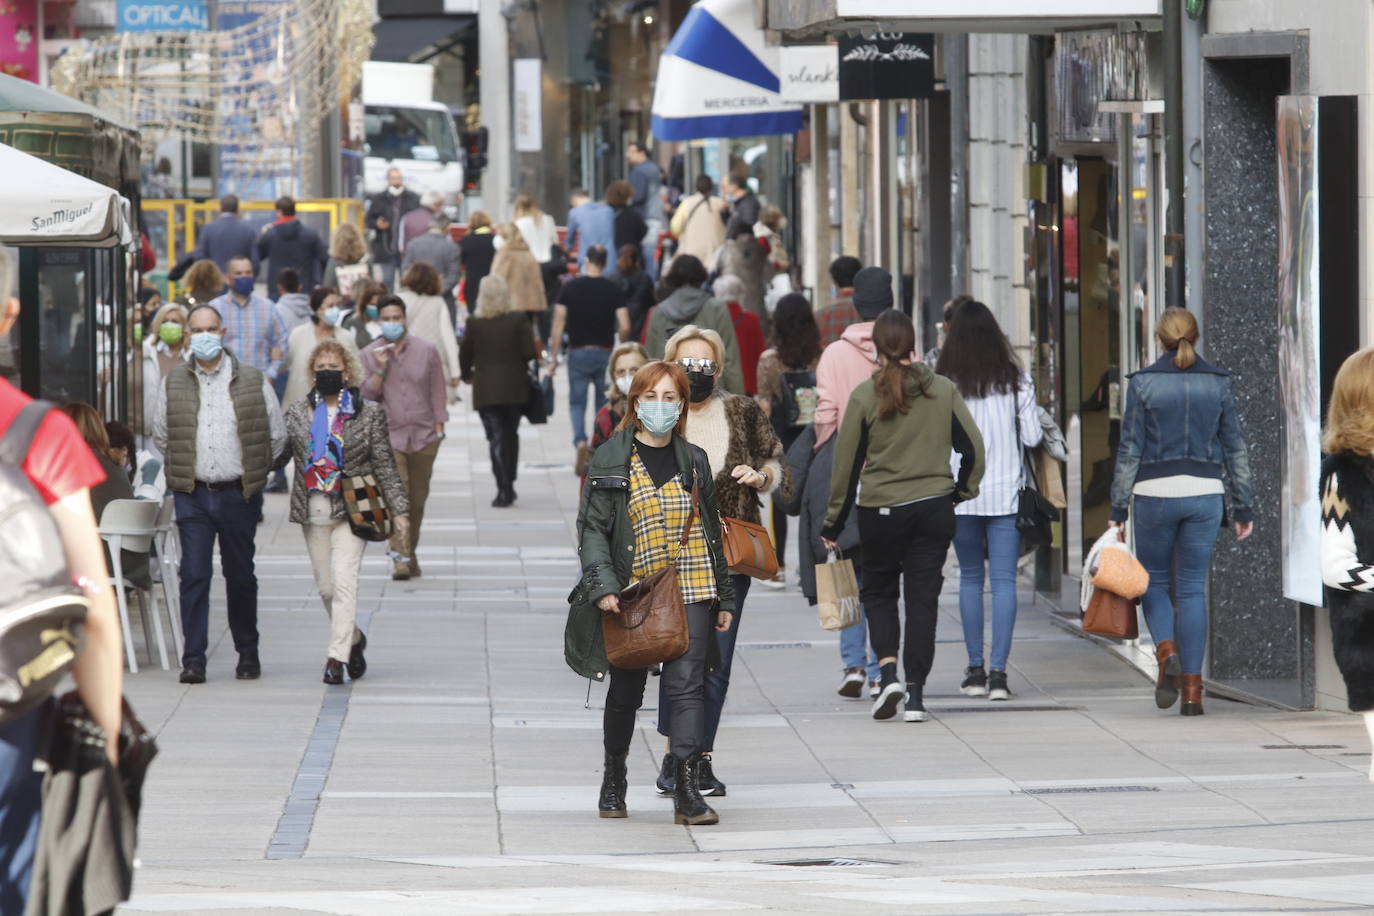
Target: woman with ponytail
(894, 449)
(1182, 449)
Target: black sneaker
(975, 682)
(707, 783)
(193, 673)
(249, 668)
(997, 686)
(889, 698)
(852, 686)
(914, 705)
(667, 776)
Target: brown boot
(1192, 695)
(1166, 685)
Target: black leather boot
(613, 786)
(666, 778)
(689, 807)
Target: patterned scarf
(325, 473)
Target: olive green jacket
(606, 545)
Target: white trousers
(336, 554)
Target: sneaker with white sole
(852, 686)
(914, 705)
(874, 688)
(778, 582)
(975, 682)
(997, 686)
(889, 698)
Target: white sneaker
(777, 583)
(889, 698)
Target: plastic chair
(131, 524)
(167, 550)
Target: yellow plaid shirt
(657, 515)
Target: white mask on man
(394, 191)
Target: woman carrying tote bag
(635, 505)
(978, 359)
(333, 433)
(1182, 448)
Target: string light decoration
(258, 92)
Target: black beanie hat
(872, 292)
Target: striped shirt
(1004, 469)
(252, 331)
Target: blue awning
(718, 77)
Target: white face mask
(624, 382)
(394, 191)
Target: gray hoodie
(691, 305)
(294, 309)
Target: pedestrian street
(460, 775)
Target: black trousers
(684, 682)
(905, 546)
(501, 422)
(717, 681)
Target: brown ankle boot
(1192, 695)
(1166, 685)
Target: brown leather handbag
(651, 627)
(748, 549)
(1108, 614)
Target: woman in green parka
(636, 502)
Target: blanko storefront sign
(809, 73)
(1000, 9)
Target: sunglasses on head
(692, 364)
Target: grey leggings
(684, 683)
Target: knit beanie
(872, 292)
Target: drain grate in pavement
(754, 646)
(1087, 790)
(834, 863)
(1302, 747)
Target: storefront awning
(718, 77)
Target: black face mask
(701, 386)
(329, 381)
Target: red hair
(648, 376)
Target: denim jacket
(1182, 421)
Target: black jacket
(384, 205)
(743, 214)
(495, 357)
(629, 227)
(1352, 612)
(292, 244)
(478, 250)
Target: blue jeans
(717, 681)
(1173, 540)
(996, 538)
(854, 650)
(21, 800)
(585, 367)
(203, 515)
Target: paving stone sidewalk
(460, 775)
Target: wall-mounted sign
(19, 39)
(1099, 10)
(887, 65)
(529, 103)
(809, 73)
(162, 16)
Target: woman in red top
(748, 329)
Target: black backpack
(42, 612)
(799, 397)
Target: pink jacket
(845, 365)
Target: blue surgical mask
(659, 417)
(372, 312)
(331, 316)
(392, 330)
(206, 345)
(243, 285)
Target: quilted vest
(250, 412)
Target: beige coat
(698, 228)
(520, 270)
(299, 345)
(427, 318)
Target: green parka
(606, 545)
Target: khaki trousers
(416, 468)
(336, 554)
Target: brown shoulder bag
(748, 549)
(651, 627)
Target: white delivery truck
(407, 129)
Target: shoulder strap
(691, 516)
(14, 446)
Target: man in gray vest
(220, 427)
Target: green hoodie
(905, 457)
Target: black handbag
(1035, 515)
(536, 405)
